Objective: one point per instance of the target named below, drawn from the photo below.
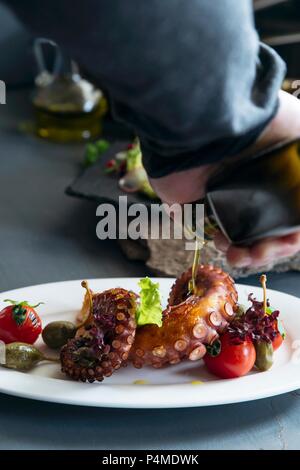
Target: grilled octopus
(190, 321)
(109, 337)
(103, 343)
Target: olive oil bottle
(67, 107)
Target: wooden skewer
(263, 280)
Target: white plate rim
(148, 396)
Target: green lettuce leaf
(150, 309)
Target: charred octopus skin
(102, 345)
(190, 321)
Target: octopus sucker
(102, 344)
(180, 345)
(190, 321)
(159, 351)
(200, 331)
(197, 353)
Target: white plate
(170, 387)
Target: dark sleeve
(189, 76)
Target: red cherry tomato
(278, 340)
(19, 322)
(234, 360)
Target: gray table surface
(46, 236)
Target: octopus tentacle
(190, 321)
(102, 345)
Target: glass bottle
(67, 107)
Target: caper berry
(57, 333)
(22, 356)
(264, 355)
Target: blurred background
(62, 158)
(278, 22)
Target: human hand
(189, 186)
(261, 253)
